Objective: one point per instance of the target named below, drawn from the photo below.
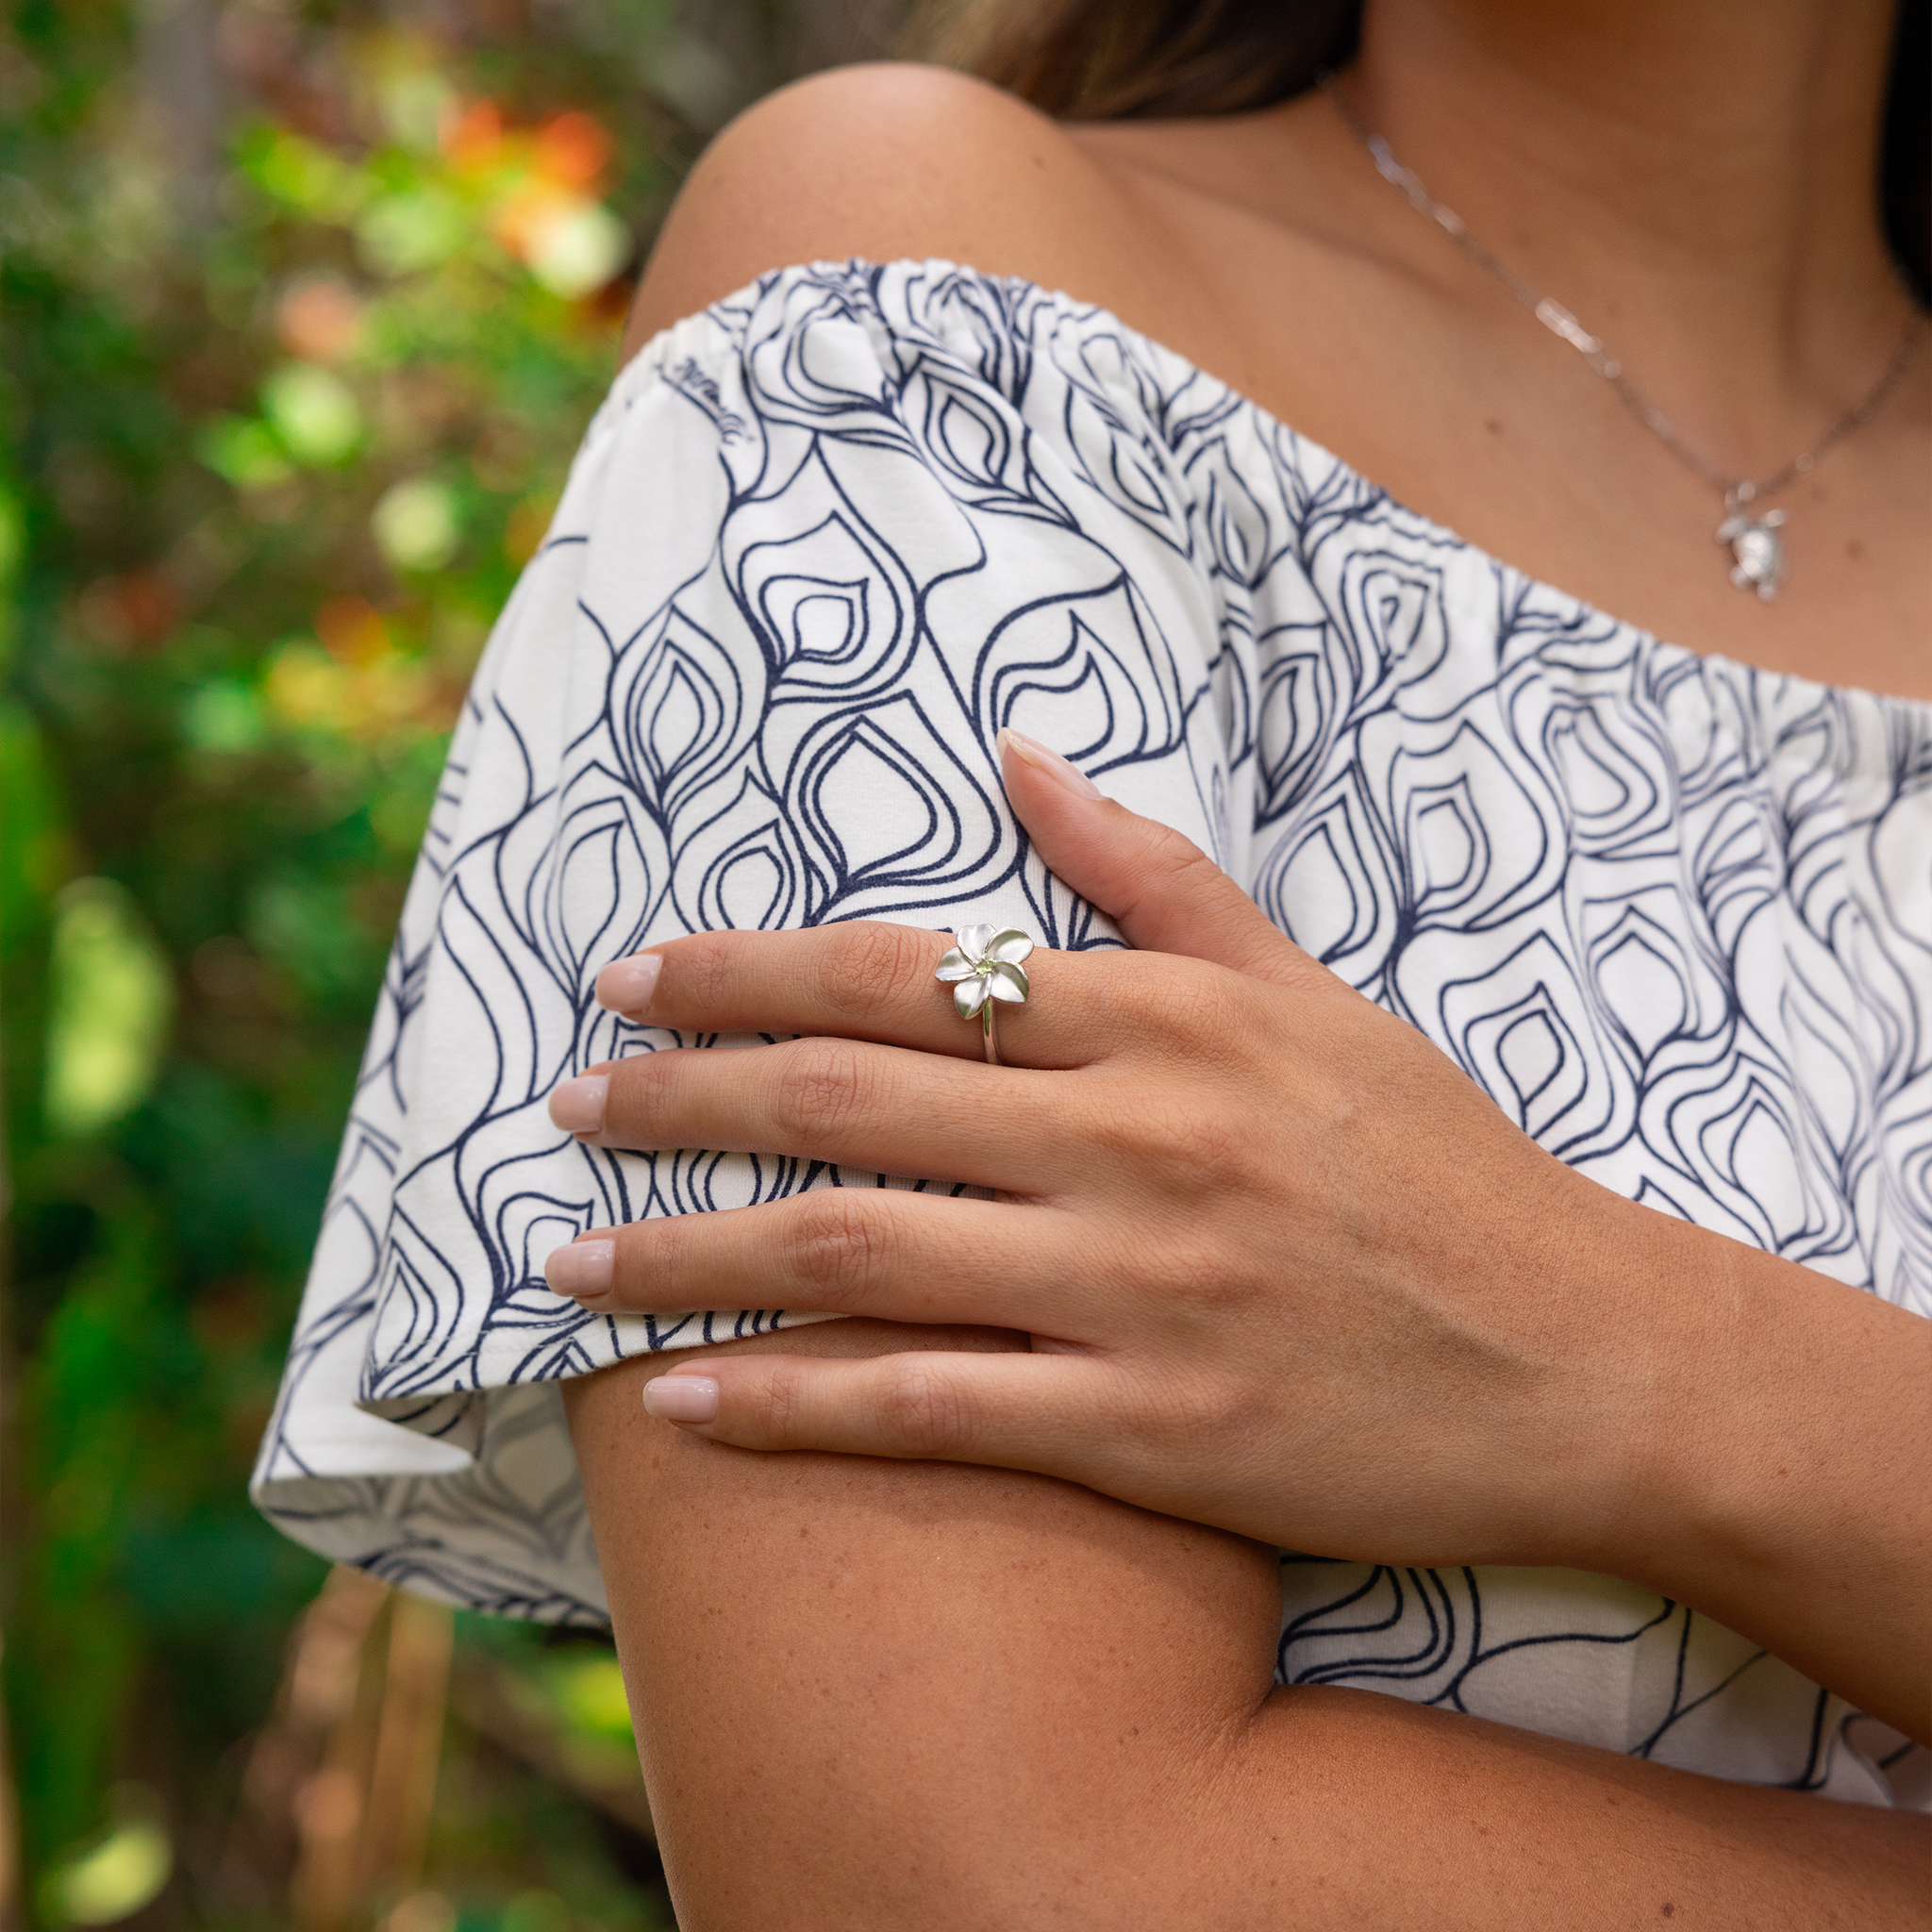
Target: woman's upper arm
(889, 1694)
(881, 1694)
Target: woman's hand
(1287, 1269)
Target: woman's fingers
(842, 1100)
(1008, 1410)
(881, 1251)
(870, 979)
(865, 979)
(1166, 893)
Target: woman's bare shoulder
(889, 161)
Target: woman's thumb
(1165, 893)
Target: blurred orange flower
(320, 319)
(573, 149)
(473, 139)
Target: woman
(1560, 1302)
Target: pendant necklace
(1758, 551)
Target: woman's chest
(1675, 917)
(1451, 397)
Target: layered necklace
(1758, 551)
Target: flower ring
(982, 968)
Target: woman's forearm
(1401, 1815)
(1777, 1425)
(875, 1695)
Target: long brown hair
(1129, 60)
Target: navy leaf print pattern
(1675, 916)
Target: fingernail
(583, 1268)
(682, 1398)
(577, 1105)
(625, 986)
(1061, 770)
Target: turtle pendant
(1758, 551)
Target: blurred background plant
(306, 305)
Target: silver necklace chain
(1758, 551)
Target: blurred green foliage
(306, 307)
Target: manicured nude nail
(577, 1105)
(682, 1398)
(584, 1268)
(1061, 770)
(625, 986)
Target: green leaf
(314, 412)
(113, 995)
(119, 1873)
(303, 175)
(404, 233)
(418, 525)
(243, 450)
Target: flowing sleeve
(820, 545)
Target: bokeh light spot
(111, 995)
(417, 525)
(320, 319)
(125, 1870)
(313, 411)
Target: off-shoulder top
(1674, 914)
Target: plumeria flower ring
(983, 967)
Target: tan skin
(1268, 251)
(880, 1694)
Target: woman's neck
(1696, 181)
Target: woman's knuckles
(839, 1250)
(816, 1093)
(624, 1096)
(917, 1406)
(1163, 1145)
(862, 977)
(1170, 1420)
(700, 984)
(922, 1406)
(781, 1412)
(870, 974)
(1208, 1019)
(655, 1099)
(1208, 1282)
(1193, 1006)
